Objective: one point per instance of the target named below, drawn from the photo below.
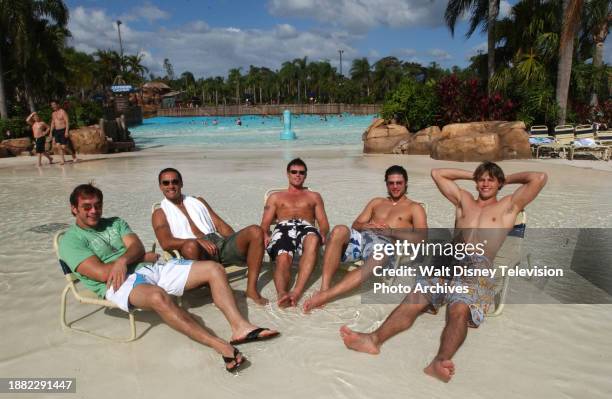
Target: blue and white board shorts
(361, 246)
(170, 276)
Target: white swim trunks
(170, 276)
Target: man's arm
(532, 184)
(168, 242)
(113, 273)
(362, 222)
(52, 126)
(321, 217)
(269, 214)
(67, 119)
(445, 180)
(223, 228)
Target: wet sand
(530, 351)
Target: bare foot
(317, 300)
(441, 369)
(359, 342)
(283, 300)
(62, 163)
(258, 299)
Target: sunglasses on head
(168, 182)
(298, 172)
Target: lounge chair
(231, 270)
(538, 135)
(510, 254)
(585, 143)
(564, 135)
(604, 137)
(85, 296)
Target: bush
(538, 105)
(412, 104)
(17, 126)
(467, 101)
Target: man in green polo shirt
(111, 261)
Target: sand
(547, 351)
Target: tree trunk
(599, 40)
(3, 109)
(571, 20)
(28, 94)
(298, 93)
(493, 12)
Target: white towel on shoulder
(179, 225)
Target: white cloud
(146, 11)
(207, 51)
(439, 54)
(362, 15)
(504, 9)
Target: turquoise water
(256, 131)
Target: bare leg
(453, 335)
(250, 241)
(350, 281)
(310, 247)
(213, 274)
(338, 240)
(62, 149)
(401, 319)
(48, 157)
(39, 159)
(282, 276)
(147, 296)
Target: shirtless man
(189, 225)
(485, 212)
(60, 126)
(295, 210)
(40, 130)
(373, 225)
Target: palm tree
(233, 79)
(484, 12)
(387, 75)
(300, 72)
(361, 71)
(571, 21)
(25, 23)
(596, 24)
(287, 74)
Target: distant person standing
(60, 126)
(40, 130)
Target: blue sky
(208, 37)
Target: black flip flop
(228, 360)
(254, 336)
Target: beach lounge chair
(538, 135)
(231, 270)
(510, 254)
(85, 296)
(585, 143)
(563, 136)
(604, 137)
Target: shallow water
(530, 351)
(255, 131)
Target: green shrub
(17, 126)
(412, 104)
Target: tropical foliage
(541, 50)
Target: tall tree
(361, 71)
(596, 25)
(484, 13)
(569, 28)
(25, 23)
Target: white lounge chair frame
(564, 135)
(588, 132)
(510, 254)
